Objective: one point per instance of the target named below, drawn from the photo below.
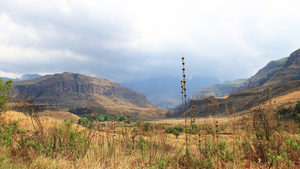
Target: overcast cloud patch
(136, 40)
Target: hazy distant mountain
(70, 90)
(24, 77)
(218, 90)
(275, 72)
(165, 92)
(29, 77)
(7, 78)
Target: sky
(129, 40)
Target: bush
(83, 121)
(179, 128)
(147, 127)
(290, 113)
(5, 91)
(176, 133)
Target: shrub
(147, 127)
(83, 121)
(290, 113)
(5, 91)
(176, 133)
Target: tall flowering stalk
(184, 103)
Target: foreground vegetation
(248, 142)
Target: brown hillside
(74, 90)
(245, 100)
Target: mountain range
(24, 77)
(75, 90)
(165, 92)
(275, 72)
(281, 76)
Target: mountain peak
(29, 76)
(275, 72)
(293, 60)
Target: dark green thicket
(102, 117)
(290, 113)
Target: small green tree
(83, 121)
(5, 91)
(176, 133)
(121, 118)
(139, 123)
(147, 127)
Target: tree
(176, 133)
(5, 91)
(139, 123)
(83, 121)
(121, 118)
(147, 127)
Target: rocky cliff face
(293, 60)
(69, 90)
(275, 72)
(289, 72)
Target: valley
(72, 121)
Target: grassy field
(223, 142)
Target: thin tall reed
(185, 103)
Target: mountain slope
(244, 100)
(289, 72)
(275, 72)
(218, 90)
(70, 90)
(261, 76)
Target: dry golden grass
(198, 121)
(224, 97)
(291, 97)
(27, 123)
(59, 115)
(166, 146)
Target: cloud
(132, 40)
